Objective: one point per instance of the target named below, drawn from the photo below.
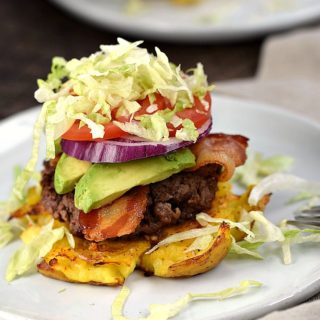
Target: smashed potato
(110, 262)
(105, 263)
(173, 261)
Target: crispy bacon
(117, 219)
(227, 150)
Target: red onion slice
(125, 149)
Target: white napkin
(288, 77)
(307, 311)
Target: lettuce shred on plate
(258, 229)
(25, 258)
(6, 233)
(166, 311)
(258, 167)
(282, 181)
(294, 235)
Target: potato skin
(172, 261)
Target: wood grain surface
(34, 31)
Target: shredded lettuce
(14, 203)
(115, 77)
(257, 167)
(54, 80)
(198, 81)
(263, 230)
(200, 243)
(6, 233)
(129, 108)
(151, 127)
(156, 126)
(266, 232)
(281, 181)
(50, 131)
(201, 235)
(188, 132)
(184, 235)
(166, 311)
(245, 248)
(204, 219)
(26, 174)
(25, 258)
(10, 230)
(97, 130)
(294, 235)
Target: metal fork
(307, 218)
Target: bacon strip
(227, 150)
(117, 219)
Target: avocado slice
(68, 172)
(103, 183)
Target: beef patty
(170, 201)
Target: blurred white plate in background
(214, 20)
(272, 132)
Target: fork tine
(307, 215)
(315, 209)
(305, 224)
(307, 218)
(309, 221)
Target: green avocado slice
(68, 172)
(103, 183)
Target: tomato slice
(111, 131)
(199, 114)
(160, 101)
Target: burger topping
(168, 202)
(117, 219)
(180, 198)
(68, 172)
(126, 149)
(115, 87)
(117, 91)
(227, 150)
(103, 183)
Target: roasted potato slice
(173, 261)
(106, 263)
(110, 262)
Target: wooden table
(34, 31)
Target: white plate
(272, 132)
(210, 20)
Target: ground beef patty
(170, 201)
